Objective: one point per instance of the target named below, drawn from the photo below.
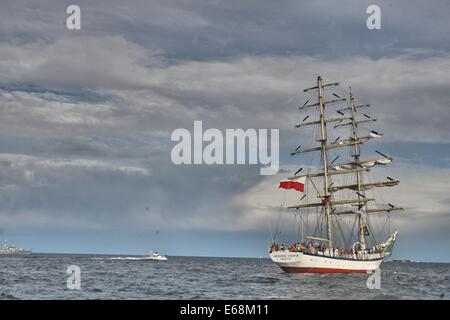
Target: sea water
(43, 276)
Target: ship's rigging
(339, 187)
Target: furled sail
(363, 164)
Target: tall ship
(8, 249)
(336, 192)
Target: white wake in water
(130, 258)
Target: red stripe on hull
(320, 270)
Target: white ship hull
(158, 258)
(298, 262)
(17, 253)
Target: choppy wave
(6, 296)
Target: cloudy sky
(86, 117)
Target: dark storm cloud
(203, 29)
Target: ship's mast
(324, 152)
(360, 193)
(356, 166)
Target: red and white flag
(297, 184)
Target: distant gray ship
(8, 249)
